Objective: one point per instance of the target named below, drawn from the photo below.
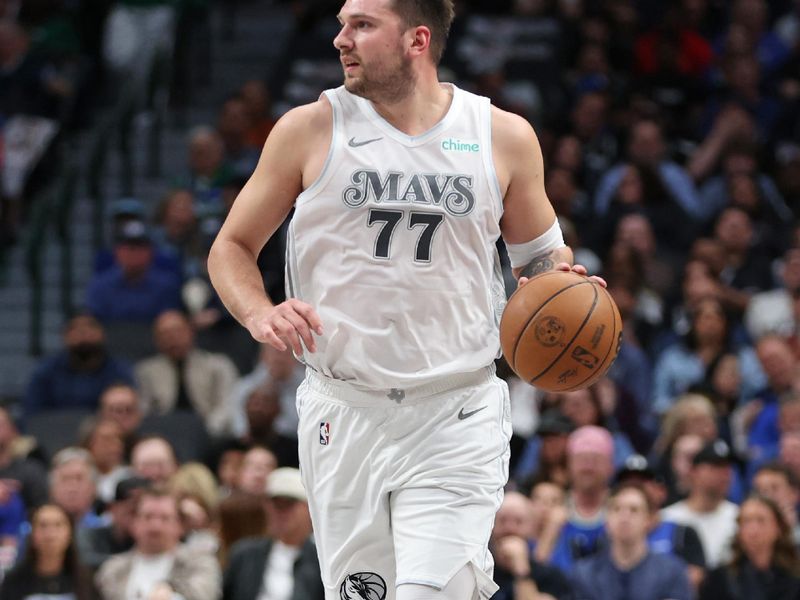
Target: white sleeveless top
(394, 246)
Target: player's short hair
(436, 15)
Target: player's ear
(420, 39)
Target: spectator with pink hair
(590, 453)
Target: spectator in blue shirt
(628, 568)
(690, 362)
(665, 537)
(516, 572)
(590, 452)
(761, 416)
(134, 289)
(75, 377)
(647, 147)
(12, 516)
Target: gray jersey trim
(327, 172)
(488, 157)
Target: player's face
(372, 49)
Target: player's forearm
(236, 278)
(545, 262)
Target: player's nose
(342, 39)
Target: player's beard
(383, 83)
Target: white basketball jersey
(394, 246)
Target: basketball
(561, 331)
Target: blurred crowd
(155, 453)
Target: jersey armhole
(488, 158)
(327, 170)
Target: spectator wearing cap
(706, 509)
(184, 377)
(134, 289)
(628, 568)
(545, 455)
(590, 452)
(284, 565)
(121, 212)
(74, 377)
(100, 543)
(158, 565)
(664, 537)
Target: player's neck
(418, 112)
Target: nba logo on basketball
(324, 434)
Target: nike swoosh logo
(466, 415)
(354, 144)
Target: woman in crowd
(198, 497)
(765, 562)
(105, 441)
(51, 567)
(691, 414)
(241, 515)
(691, 361)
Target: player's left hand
(579, 269)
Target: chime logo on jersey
(324, 434)
(363, 586)
(452, 191)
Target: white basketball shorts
(403, 485)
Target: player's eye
(363, 24)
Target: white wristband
(521, 254)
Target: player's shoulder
(307, 119)
(510, 131)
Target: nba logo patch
(324, 434)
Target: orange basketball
(561, 331)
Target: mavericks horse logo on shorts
(363, 586)
(324, 433)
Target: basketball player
(401, 185)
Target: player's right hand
(285, 325)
